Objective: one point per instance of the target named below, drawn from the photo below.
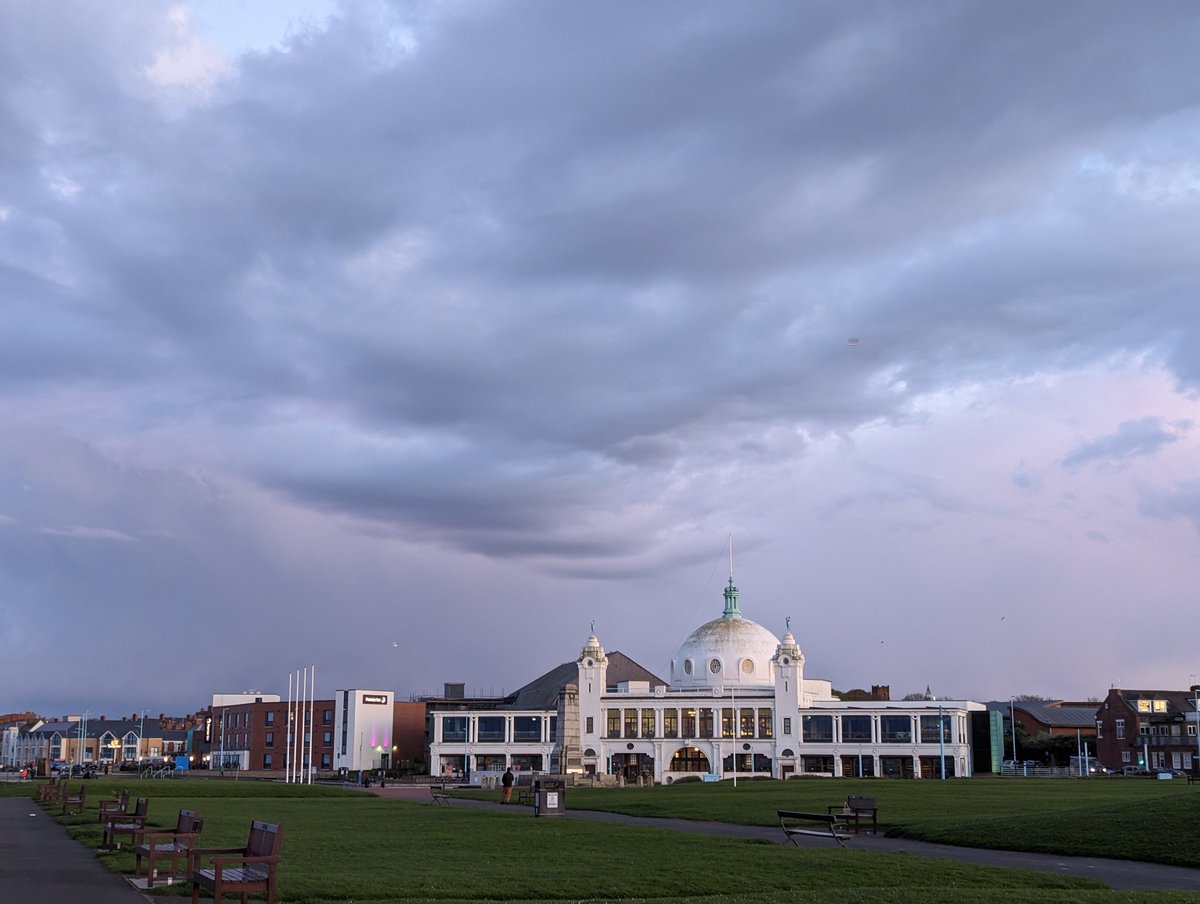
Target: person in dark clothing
(507, 783)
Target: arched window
(689, 759)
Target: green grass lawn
(1124, 818)
(348, 846)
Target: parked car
(1130, 770)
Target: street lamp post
(1196, 765)
(141, 736)
(942, 741)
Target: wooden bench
(173, 847)
(820, 825)
(110, 809)
(239, 870)
(131, 824)
(52, 790)
(74, 803)
(523, 788)
(856, 811)
(439, 796)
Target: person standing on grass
(507, 782)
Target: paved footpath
(39, 862)
(1130, 875)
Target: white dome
(727, 650)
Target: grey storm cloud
(557, 292)
(1144, 436)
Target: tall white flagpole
(304, 706)
(287, 739)
(312, 721)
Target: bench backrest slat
(187, 823)
(860, 803)
(264, 839)
(143, 806)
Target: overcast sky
(408, 339)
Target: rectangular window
(631, 723)
(1191, 731)
(647, 723)
(670, 723)
(1124, 756)
(266, 761)
(856, 729)
(689, 723)
(591, 725)
(745, 722)
(787, 726)
(817, 729)
(895, 729)
(270, 716)
(1160, 706)
(527, 728)
(270, 739)
(492, 729)
(929, 729)
(1099, 729)
(1144, 728)
(613, 728)
(327, 717)
(326, 761)
(706, 723)
(553, 728)
(454, 729)
(327, 739)
(1120, 729)
(766, 727)
(727, 723)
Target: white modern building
(362, 728)
(737, 705)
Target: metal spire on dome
(731, 592)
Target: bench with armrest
(131, 824)
(819, 825)
(110, 809)
(52, 790)
(173, 847)
(74, 802)
(523, 788)
(239, 870)
(439, 796)
(856, 812)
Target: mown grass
(1123, 818)
(342, 846)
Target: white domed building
(737, 705)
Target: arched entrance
(689, 759)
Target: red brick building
(253, 736)
(1152, 729)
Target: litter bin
(549, 797)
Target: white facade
(738, 705)
(362, 722)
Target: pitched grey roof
(542, 692)
(1061, 716)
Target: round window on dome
(785, 660)
(748, 666)
(714, 666)
(687, 667)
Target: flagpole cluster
(299, 715)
